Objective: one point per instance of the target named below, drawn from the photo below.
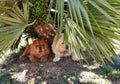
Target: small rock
(39, 77)
(48, 71)
(41, 65)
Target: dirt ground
(48, 72)
(66, 71)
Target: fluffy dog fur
(39, 49)
(60, 49)
(48, 31)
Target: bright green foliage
(5, 78)
(108, 72)
(95, 22)
(14, 23)
(6, 4)
(39, 11)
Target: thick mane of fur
(39, 49)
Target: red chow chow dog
(39, 49)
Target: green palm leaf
(14, 22)
(6, 4)
(94, 22)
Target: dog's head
(41, 47)
(47, 31)
(61, 46)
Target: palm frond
(93, 22)
(15, 21)
(6, 4)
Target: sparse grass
(108, 72)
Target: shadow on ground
(65, 71)
(5, 78)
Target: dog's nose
(67, 46)
(40, 48)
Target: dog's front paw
(75, 58)
(56, 59)
(32, 58)
(44, 59)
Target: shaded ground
(65, 71)
(49, 72)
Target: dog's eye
(62, 42)
(49, 31)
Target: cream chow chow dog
(60, 49)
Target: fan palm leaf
(93, 22)
(6, 4)
(14, 23)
